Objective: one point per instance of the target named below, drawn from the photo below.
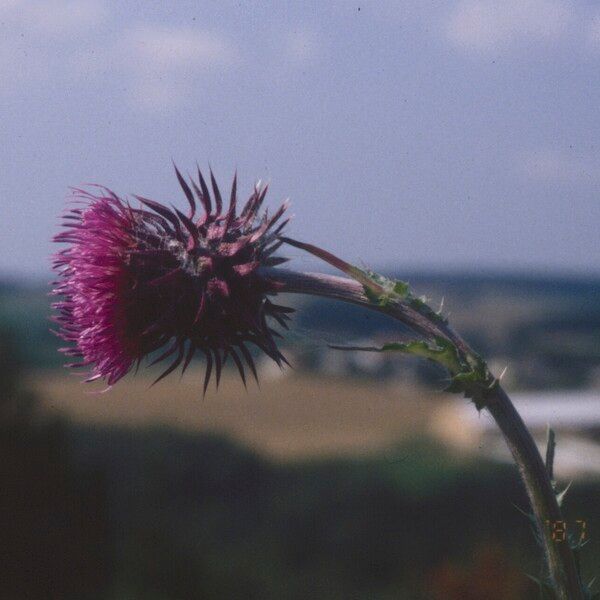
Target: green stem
(559, 556)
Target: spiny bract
(135, 280)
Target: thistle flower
(135, 280)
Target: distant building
(574, 416)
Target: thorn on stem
(441, 308)
(550, 448)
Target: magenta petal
(134, 281)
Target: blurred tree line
(54, 523)
(546, 328)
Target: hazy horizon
(519, 274)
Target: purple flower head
(134, 281)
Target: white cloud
(158, 67)
(491, 25)
(8, 5)
(162, 63)
(301, 46)
(54, 17)
(559, 166)
(158, 51)
(39, 38)
(160, 48)
(59, 16)
(157, 94)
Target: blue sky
(461, 135)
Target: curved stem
(559, 555)
(348, 290)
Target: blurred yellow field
(294, 416)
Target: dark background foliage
(92, 512)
